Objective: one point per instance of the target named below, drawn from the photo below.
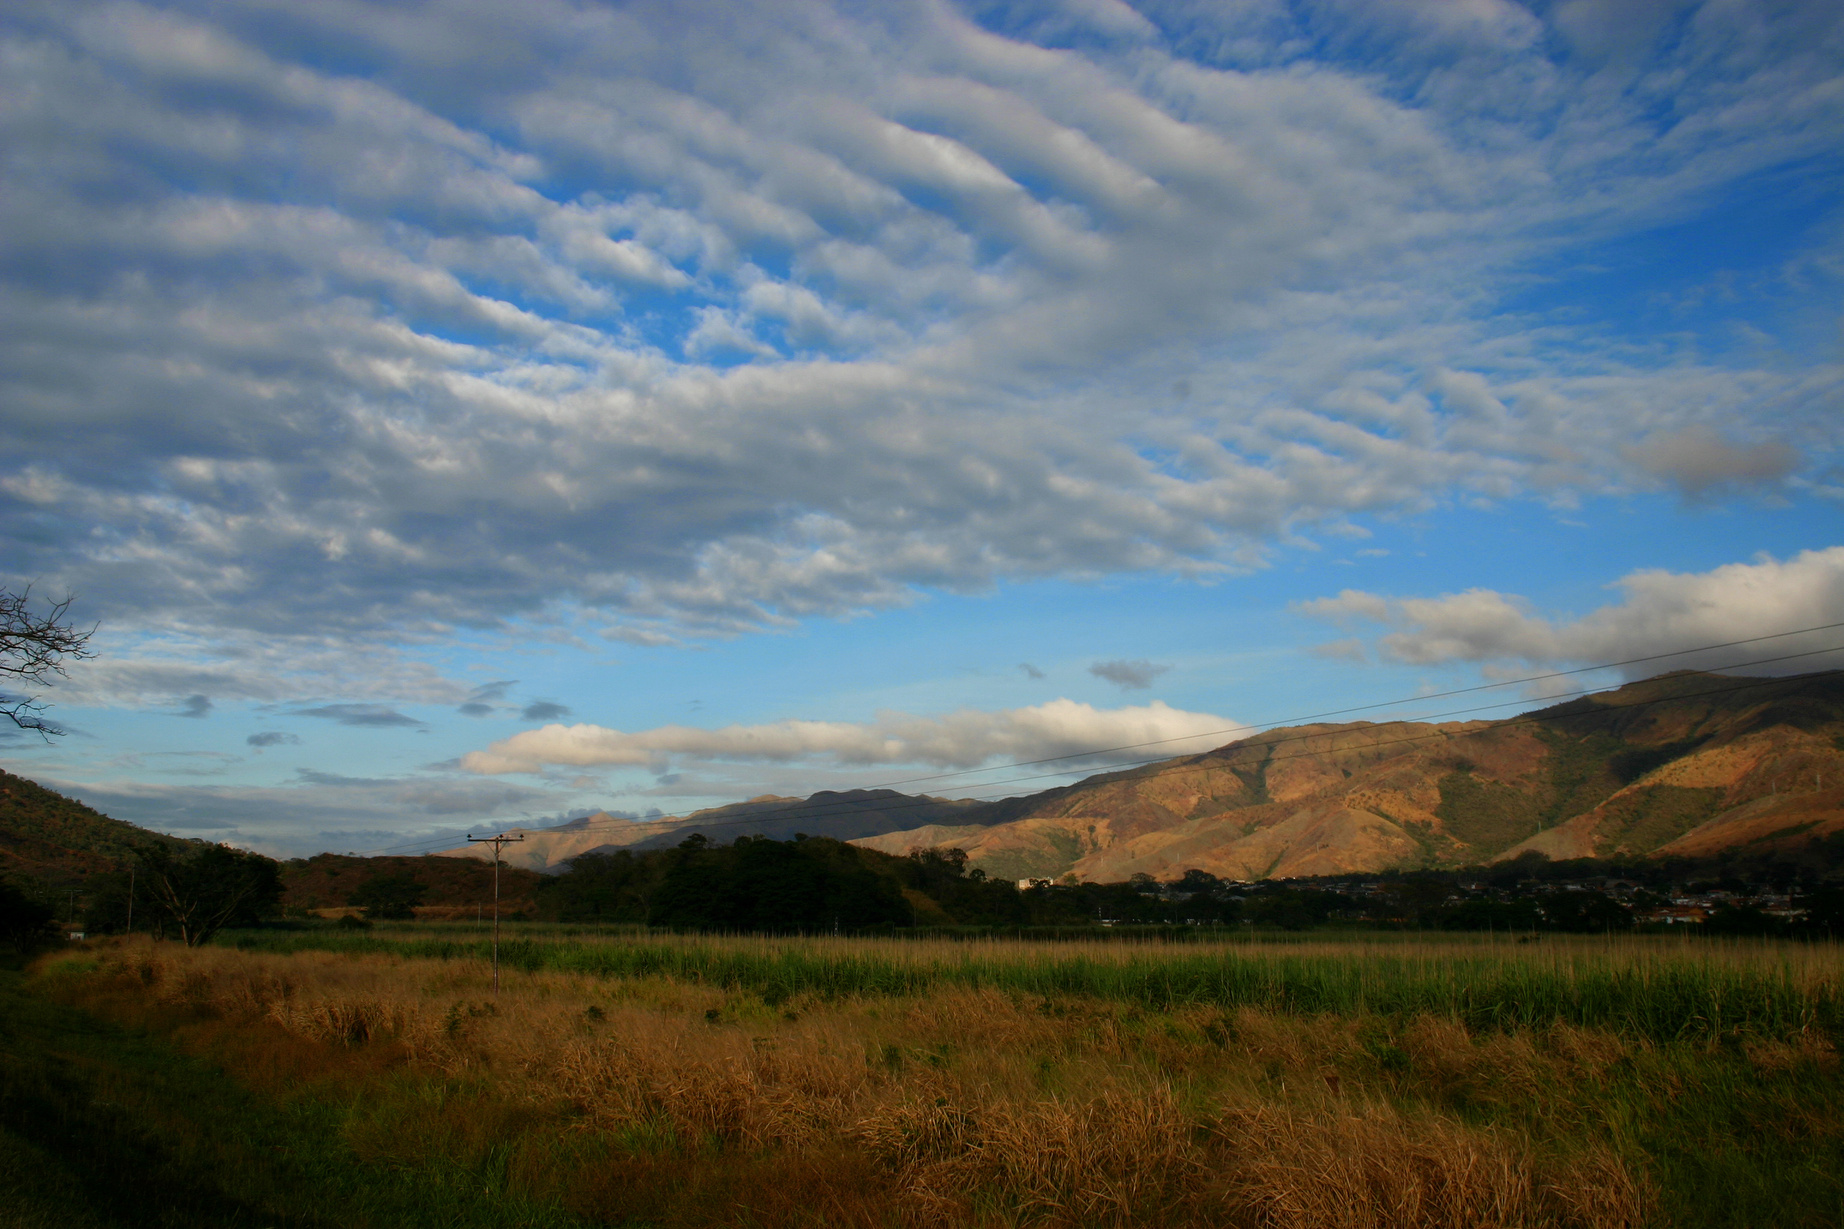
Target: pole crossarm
(498, 842)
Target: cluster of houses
(1675, 905)
(1689, 907)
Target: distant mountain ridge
(1683, 764)
(843, 815)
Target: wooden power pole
(498, 842)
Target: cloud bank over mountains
(964, 739)
(1661, 613)
(669, 320)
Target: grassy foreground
(181, 1121)
(374, 1080)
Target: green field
(372, 1078)
(1659, 988)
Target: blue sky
(457, 415)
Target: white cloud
(963, 739)
(792, 309)
(1349, 604)
(1660, 613)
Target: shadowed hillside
(56, 844)
(1686, 764)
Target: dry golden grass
(955, 1108)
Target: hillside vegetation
(1684, 765)
(51, 844)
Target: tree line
(186, 894)
(817, 885)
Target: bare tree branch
(33, 649)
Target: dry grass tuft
(1118, 1159)
(722, 1085)
(1373, 1169)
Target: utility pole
(129, 929)
(498, 842)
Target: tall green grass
(1661, 989)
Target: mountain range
(1683, 765)
(1686, 765)
(842, 815)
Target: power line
(1438, 695)
(498, 842)
(799, 811)
(1525, 719)
(804, 809)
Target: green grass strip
(1660, 999)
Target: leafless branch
(33, 649)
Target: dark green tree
(1742, 920)
(968, 897)
(1483, 913)
(1418, 898)
(1585, 912)
(388, 896)
(25, 920)
(759, 884)
(196, 894)
(600, 887)
(1824, 911)
(111, 911)
(1198, 883)
(1289, 909)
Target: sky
(461, 415)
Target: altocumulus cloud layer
(332, 325)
